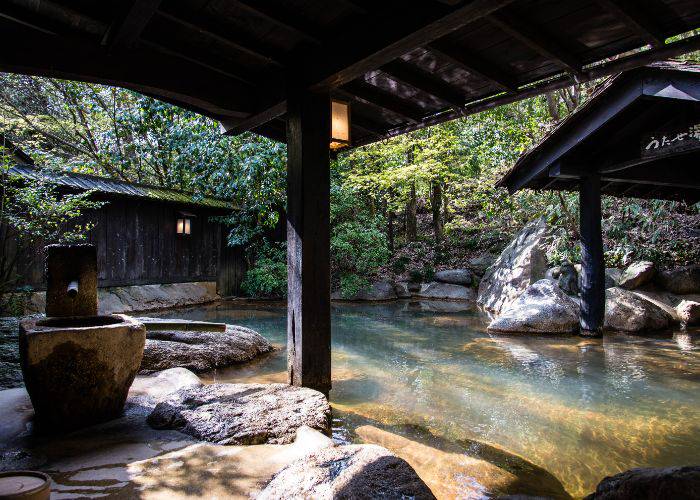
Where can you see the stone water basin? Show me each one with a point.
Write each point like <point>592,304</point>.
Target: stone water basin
<point>78,370</point>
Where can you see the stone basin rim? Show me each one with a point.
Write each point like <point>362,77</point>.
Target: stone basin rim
<point>78,323</point>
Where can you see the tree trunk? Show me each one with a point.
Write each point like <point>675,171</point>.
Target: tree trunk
<point>436,208</point>
<point>390,230</point>
<point>411,221</point>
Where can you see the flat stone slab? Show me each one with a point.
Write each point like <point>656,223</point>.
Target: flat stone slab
<point>436,290</point>
<point>344,472</point>
<point>201,351</point>
<point>243,413</point>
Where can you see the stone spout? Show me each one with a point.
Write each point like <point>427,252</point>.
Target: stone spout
<point>72,289</point>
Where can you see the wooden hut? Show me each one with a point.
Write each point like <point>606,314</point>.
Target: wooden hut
<point>638,136</point>
<point>144,234</point>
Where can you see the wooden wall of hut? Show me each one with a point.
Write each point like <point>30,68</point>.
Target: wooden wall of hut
<point>137,244</point>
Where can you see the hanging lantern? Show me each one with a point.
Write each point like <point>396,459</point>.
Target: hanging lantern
<point>340,124</point>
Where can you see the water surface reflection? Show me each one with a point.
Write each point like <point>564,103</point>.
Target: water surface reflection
<point>579,409</point>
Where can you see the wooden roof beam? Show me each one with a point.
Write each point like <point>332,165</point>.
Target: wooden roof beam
<point>423,81</point>
<point>378,97</point>
<point>129,25</point>
<point>635,20</point>
<point>473,65</point>
<point>286,21</point>
<point>536,41</point>
<point>55,18</point>
<point>367,124</point>
<point>224,39</point>
<point>348,59</point>
<point>171,79</point>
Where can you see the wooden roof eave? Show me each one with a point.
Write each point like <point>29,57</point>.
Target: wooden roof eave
<point>616,95</point>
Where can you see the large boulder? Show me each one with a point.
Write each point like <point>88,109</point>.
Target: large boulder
<point>612,277</point>
<point>688,312</point>
<point>454,277</point>
<point>682,280</point>
<point>628,312</point>
<point>521,263</point>
<point>201,351</point>
<point>679,483</point>
<point>481,263</point>
<point>542,308</point>
<point>381,290</point>
<point>435,290</point>
<point>348,472</point>
<point>402,291</point>
<point>636,275</point>
<point>243,414</point>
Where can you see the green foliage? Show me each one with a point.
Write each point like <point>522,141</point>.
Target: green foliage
<point>358,243</point>
<point>268,277</point>
<point>32,213</point>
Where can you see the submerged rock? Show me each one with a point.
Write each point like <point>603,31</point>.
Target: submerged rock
<point>201,351</point>
<point>681,281</point>
<point>628,312</point>
<point>345,472</point>
<point>454,277</point>
<point>243,413</point>
<point>679,483</point>
<point>521,263</point>
<point>435,290</point>
<point>689,312</point>
<point>542,308</point>
<point>636,275</point>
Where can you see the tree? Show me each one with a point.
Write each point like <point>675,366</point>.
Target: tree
<point>32,214</point>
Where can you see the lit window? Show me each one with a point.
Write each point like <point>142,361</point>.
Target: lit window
<point>184,225</point>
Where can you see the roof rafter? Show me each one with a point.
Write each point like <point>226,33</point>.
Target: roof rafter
<point>423,81</point>
<point>473,65</point>
<point>287,21</point>
<point>225,39</point>
<point>635,20</point>
<point>127,28</point>
<point>536,41</point>
<point>171,79</point>
<point>378,97</point>
<point>391,39</point>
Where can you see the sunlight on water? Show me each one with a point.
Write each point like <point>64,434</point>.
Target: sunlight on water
<point>495,413</point>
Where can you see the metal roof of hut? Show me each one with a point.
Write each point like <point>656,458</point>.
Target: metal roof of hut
<point>402,65</point>
<point>113,187</point>
<point>640,132</point>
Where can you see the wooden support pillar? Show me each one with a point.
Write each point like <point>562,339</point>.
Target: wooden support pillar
<point>593,264</point>
<point>308,240</point>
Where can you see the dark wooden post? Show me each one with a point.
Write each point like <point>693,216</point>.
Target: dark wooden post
<point>592,262</point>
<point>308,240</point>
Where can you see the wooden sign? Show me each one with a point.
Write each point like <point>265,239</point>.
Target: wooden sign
<point>671,141</point>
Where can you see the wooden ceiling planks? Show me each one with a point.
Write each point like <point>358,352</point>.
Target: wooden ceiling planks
<point>403,65</point>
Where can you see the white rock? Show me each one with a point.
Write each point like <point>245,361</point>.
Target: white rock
<point>628,312</point>
<point>435,290</point>
<point>543,308</point>
<point>636,275</point>
<point>521,263</point>
<point>689,312</point>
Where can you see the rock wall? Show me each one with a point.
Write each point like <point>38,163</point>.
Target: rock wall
<point>142,297</point>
